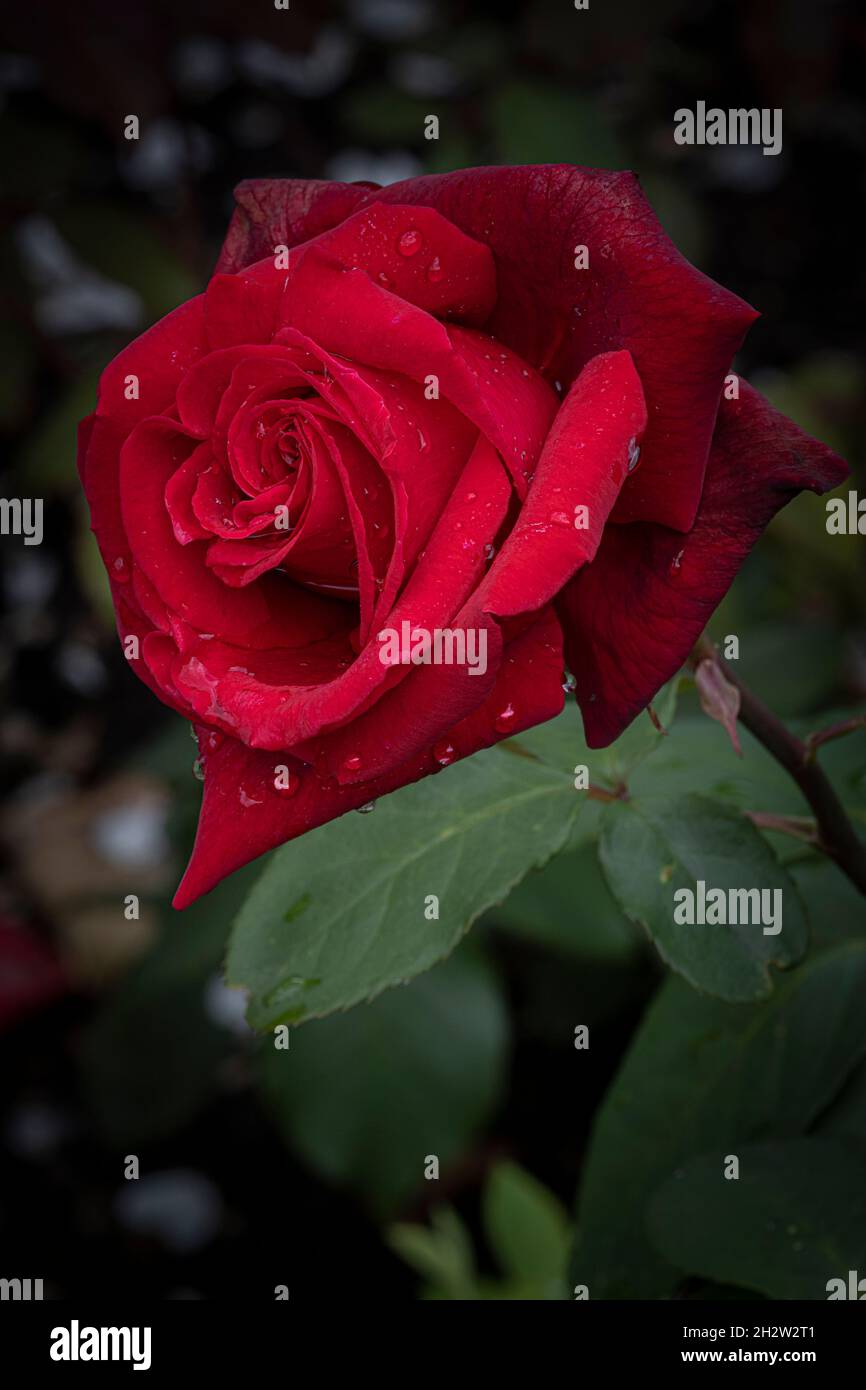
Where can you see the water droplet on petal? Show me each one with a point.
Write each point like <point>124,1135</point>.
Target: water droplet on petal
<point>353,763</point>
<point>198,769</point>
<point>212,740</point>
<point>435,271</point>
<point>560,518</point>
<point>444,753</point>
<point>409,243</point>
<point>471,496</point>
<point>489,551</point>
<point>120,570</point>
<point>677,561</point>
<point>504,721</point>
<point>633,455</point>
<point>366,809</point>
<point>383,279</point>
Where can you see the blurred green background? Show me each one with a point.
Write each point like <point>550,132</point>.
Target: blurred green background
<point>118,1035</point>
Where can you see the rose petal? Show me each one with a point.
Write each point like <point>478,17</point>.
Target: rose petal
<point>583,464</point>
<point>637,293</point>
<point>267,712</point>
<point>274,613</point>
<point>242,816</point>
<point>632,616</point>
<point>284,212</point>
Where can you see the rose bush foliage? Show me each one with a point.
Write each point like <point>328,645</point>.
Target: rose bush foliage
<point>399,421</point>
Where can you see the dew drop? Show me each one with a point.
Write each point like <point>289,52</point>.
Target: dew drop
<point>212,740</point>
<point>383,279</point>
<point>435,271</point>
<point>560,519</point>
<point>120,569</point>
<point>353,763</point>
<point>504,721</point>
<point>489,550</point>
<point>366,809</point>
<point>471,496</point>
<point>409,243</point>
<point>444,753</point>
<point>633,455</point>
<point>677,561</point>
<point>198,769</point>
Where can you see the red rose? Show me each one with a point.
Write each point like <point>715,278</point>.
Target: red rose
<point>429,418</point>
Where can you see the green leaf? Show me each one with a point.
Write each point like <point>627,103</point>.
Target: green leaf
<point>652,849</point>
<point>793,1220</point>
<point>697,757</point>
<point>845,1119</point>
<point>700,1075</point>
<point>568,906</point>
<point>837,910</point>
<point>527,1227</point>
<point>365,1097</point>
<point>560,742</point>
<point>357,889</point>
<point>616,765</point>
<point>441,1253</point>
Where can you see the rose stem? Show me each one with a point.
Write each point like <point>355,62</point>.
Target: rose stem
<point>837,836</point>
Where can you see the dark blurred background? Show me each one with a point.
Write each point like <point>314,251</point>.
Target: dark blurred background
<point>117,1036</point>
